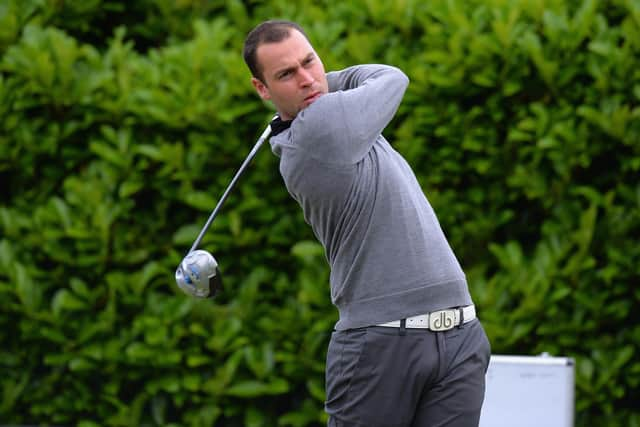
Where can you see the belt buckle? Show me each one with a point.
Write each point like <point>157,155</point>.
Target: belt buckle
<point>442,320</point>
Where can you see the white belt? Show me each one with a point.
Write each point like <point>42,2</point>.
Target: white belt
<point>441,320</point>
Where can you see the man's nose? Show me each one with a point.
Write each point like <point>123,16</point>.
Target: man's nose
<point>304,77</point>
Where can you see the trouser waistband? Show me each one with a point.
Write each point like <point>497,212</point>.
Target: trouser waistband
<point>441,320</point>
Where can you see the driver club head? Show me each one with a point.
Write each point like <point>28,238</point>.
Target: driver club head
<point>198,274</point>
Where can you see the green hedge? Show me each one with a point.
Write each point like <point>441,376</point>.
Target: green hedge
<point>123,122</point>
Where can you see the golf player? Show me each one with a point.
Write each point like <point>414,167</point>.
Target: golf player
<point>408,349</point>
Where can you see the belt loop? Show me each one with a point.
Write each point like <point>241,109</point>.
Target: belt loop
<point>461,317</point>
<point>403,327</point>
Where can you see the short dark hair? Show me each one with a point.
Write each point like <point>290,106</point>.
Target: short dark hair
<point>272,31</point>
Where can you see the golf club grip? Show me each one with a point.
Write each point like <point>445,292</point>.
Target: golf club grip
<point>252,153</point>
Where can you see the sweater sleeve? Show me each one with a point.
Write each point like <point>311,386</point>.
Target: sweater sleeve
<point>341,126</point>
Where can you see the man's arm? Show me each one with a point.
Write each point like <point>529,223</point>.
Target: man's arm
<point>371,95</point>
<point>355,76</point>
<point>361,102</point>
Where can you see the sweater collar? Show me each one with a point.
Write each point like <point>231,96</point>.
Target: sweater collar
<point>278,125</point>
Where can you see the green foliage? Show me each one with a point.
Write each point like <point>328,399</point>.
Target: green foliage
<point>123,122</point>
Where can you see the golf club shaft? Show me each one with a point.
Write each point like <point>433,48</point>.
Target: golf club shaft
<point>244,165</point>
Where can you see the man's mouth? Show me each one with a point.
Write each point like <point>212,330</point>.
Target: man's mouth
<point>309,99</point>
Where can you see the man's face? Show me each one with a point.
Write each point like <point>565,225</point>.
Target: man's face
<point>293,75</point>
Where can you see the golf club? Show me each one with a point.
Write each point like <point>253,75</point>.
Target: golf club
<point>198,274</point>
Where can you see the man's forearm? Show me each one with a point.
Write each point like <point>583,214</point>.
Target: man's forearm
<point>355,76</point>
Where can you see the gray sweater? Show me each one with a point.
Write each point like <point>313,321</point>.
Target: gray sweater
<point>388,255</point>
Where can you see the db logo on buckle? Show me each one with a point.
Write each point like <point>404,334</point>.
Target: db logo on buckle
<point>442,320</point>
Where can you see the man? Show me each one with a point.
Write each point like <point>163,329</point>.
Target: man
<point>407,349</point>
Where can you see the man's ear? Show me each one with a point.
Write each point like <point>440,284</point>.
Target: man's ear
<point>261,88</point>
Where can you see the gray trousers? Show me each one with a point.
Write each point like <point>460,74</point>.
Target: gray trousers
<point>393,377</point>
